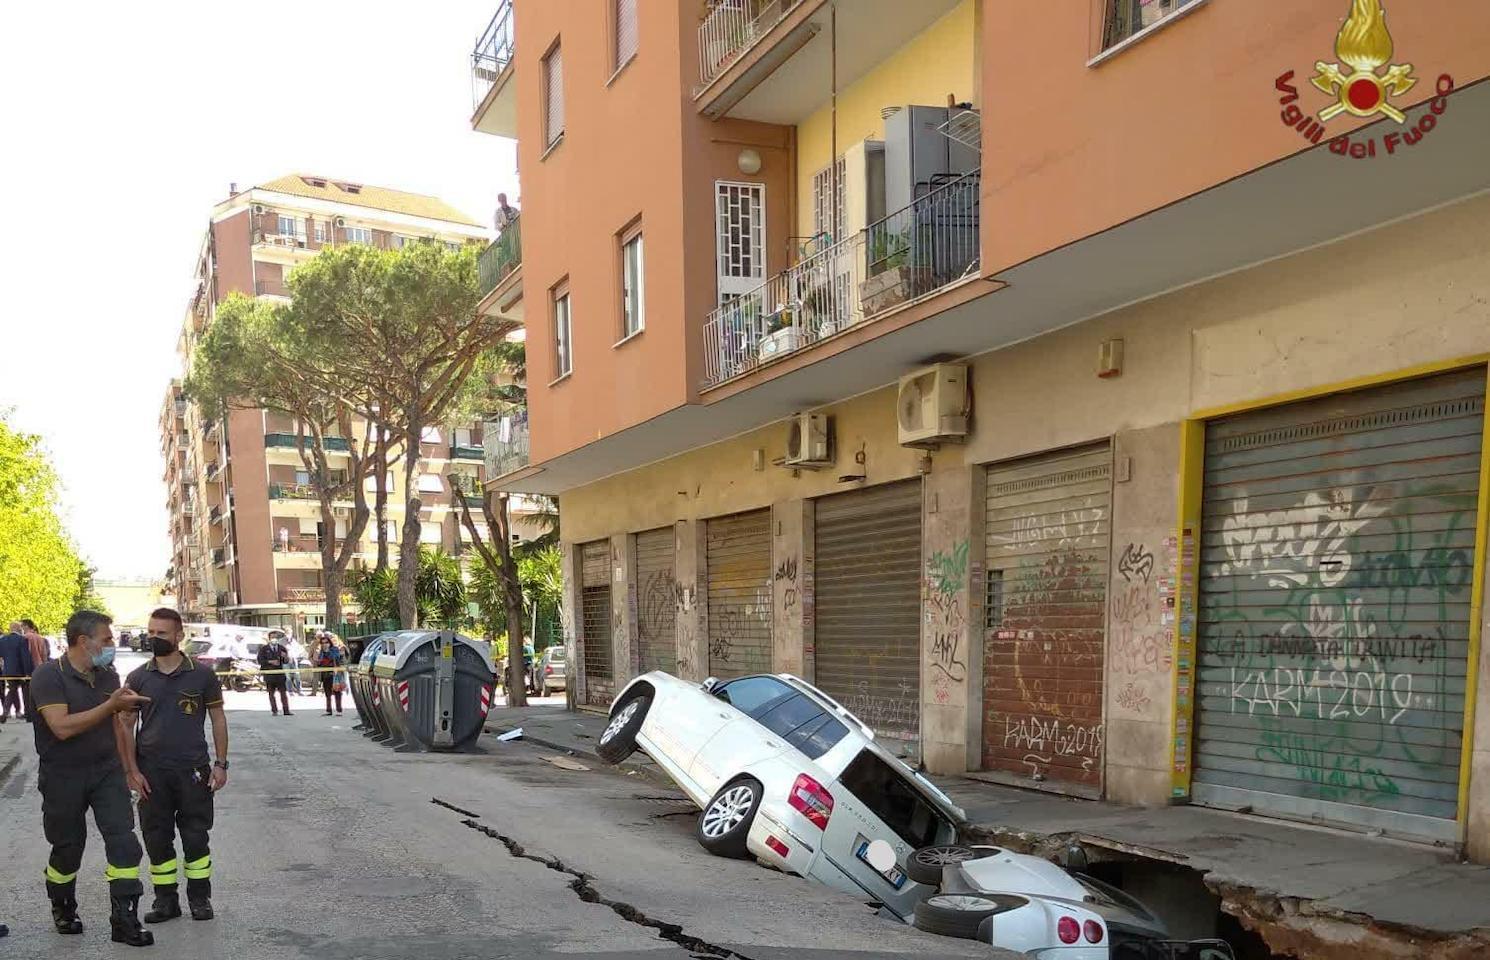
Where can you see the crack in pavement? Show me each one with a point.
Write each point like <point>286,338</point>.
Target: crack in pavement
<point>583,887</point>
<point>450,806</point>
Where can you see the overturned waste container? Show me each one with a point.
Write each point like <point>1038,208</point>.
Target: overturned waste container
<point>433,689</point>
<point>359,678</point>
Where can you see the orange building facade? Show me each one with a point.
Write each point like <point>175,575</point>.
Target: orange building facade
<point>1090,401</point>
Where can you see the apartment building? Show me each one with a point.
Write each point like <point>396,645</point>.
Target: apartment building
<point>245,527</point>
<point>1091,400</point>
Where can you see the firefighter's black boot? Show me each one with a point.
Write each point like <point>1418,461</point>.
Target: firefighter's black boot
<point>199,899</point>
<point>167,905</point>
<point>125,922</point>
<point>64,908</point>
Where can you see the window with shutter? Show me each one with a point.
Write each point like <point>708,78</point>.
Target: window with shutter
<point>553,96</point>
<point>626,32</point>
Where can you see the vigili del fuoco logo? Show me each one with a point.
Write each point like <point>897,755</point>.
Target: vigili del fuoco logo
<point>1362,83</point>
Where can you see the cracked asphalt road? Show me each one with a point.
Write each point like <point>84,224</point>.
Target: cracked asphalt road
<point>329,847</point>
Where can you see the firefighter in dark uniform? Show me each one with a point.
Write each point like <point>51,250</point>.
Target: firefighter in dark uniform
<point>166,763</point>
<point>79,743</point>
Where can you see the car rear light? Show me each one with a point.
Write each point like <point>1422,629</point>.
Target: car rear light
<point>548,671</point>
<point>1068,930</point>
<point>1093,931</point>
<point>810,799</point>
<point>777,846</point>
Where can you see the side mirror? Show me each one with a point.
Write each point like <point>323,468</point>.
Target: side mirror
<point>710,684</point>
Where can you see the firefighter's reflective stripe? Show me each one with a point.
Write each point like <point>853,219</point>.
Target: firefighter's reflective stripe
<point>199,869</point>
<point>121,873</point>
<point>163,874</point>
<point>56,876</point>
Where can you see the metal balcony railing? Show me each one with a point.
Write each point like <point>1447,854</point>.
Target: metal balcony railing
<point>302,594</point>
<point>502,256</point>
<point>506,442</point>
<point>911,253</point>
<point>292,491</point>
<point>492,53</point>
<point>288,440</point>
<point>730,28</point>
<point>271,288</point>
<point>464,452</point>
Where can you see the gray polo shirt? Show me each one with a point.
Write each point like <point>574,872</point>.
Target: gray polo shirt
<point>58,682</point>
<point>171,724</point>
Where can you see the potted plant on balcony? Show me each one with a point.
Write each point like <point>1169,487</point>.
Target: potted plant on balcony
<point>780,332</point>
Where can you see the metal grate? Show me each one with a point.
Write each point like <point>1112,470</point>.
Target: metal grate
<point>1340,426</point>
<point>595,607</point>
<point>656,613</point>
<point>741,608</point>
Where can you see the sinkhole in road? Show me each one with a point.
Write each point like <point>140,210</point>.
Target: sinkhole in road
<point>583,887</point>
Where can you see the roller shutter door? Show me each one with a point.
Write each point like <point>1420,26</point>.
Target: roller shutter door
<point>740,607</point>
<point>595,601</point>
<point>867,583</point>
<point>1048,525</point>
<point>1336,566</point>
<point>656,607</point>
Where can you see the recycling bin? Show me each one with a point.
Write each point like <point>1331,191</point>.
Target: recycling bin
<point>434,687</point>
<point>359,680</point>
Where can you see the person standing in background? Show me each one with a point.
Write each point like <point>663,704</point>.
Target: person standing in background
<point>41,650</point>
<point>297,657</point>
<point>15,662</point>
<point>330,659</point>
<point>274,658</point>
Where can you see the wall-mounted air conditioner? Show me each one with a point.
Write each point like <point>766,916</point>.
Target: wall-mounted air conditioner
<point>809,441</point>
<point>932,405</point>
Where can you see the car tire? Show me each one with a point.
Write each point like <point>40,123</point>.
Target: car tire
<point>958,915</point>
<point>619,739</point>
<point>925,865</point>
<point>724,824</point>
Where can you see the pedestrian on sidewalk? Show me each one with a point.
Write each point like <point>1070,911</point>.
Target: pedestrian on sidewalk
<point>167,766</point>
<point>80,741</point>
<point>15,662</point>
<point>274,657</point>
<point>41,650</point>
<point>297,658</point>
<point>330,658</point>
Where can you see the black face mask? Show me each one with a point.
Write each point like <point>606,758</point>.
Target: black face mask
<point>162,647</point>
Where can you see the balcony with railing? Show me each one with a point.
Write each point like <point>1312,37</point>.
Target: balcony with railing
<point>272,288</point>
<point>506,442</point>
<point>493,94</point>
<point>291,442</point>
<point>469,489</point>
<point>292,491</point>
<point>912,253</point>
<point>501,257</point>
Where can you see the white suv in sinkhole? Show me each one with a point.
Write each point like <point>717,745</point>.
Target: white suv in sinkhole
<point>785,774</point>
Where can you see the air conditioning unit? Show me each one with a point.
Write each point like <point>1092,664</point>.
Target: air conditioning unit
<point>809,441</point>
<point>342,513</point>
<point>932,405</point>
<point>258,208</point>
<point>341,221</point>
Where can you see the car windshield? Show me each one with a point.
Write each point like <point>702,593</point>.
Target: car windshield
<point>198,647</point>
<point>555,654</point>
<point>749,694</point>
<point>889,796</point>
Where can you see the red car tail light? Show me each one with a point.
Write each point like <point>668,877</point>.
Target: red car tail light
<point>1092,931</point>
<point>548,671</point>
<point>780,848</point>
<point>1068,930</point>
<point>810,799</point>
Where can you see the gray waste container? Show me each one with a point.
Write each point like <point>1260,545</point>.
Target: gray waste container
<point>359,678</point>
<point>435,688</point>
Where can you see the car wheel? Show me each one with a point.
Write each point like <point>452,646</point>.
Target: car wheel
<point>726,820</point>
<point>925,865</point>
<point>619,739</point>
<point>955,914</point>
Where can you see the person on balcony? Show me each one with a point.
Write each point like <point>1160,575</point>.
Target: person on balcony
<point>506,214</point>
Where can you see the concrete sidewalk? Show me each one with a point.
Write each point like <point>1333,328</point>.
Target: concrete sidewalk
<point>1297,885</point>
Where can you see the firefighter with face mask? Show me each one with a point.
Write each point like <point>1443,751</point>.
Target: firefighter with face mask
<point>80,740</point>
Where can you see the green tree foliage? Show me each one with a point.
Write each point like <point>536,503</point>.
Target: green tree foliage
<point>87,597</point>
<point>376,592</point>
<point>441,589</point>
<point>40,571</point>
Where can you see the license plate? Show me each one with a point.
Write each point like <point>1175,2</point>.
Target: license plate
<point>893,876</point>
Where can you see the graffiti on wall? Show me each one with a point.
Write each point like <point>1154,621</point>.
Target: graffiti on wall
<point>946,618</point>
<point>786,581</point>
<point>1141,625</point>
<point>1335,642</point>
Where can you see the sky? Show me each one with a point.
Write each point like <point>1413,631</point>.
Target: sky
<point>124,123</point>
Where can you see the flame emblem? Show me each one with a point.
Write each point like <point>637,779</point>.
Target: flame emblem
<point>1364,45</point>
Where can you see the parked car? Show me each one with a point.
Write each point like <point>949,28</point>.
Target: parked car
<point>229,655</point>
<point>1032,907</point>
<point>785,774</point>
<point>551,670</point>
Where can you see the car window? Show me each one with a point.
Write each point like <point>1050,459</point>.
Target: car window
<point>884,790</point>
<point>556,654</point>
<point>198,647</point>
<point>750,694</point>
<point>818,737</point>
<point>784,716</point>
